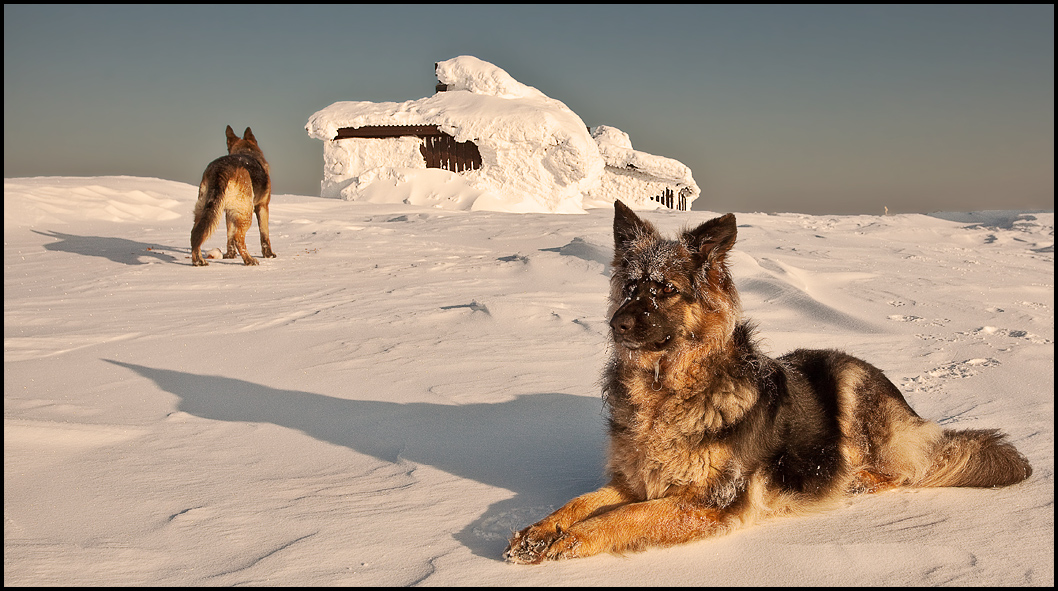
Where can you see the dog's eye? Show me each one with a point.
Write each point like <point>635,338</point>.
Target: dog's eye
<point>668,289</point>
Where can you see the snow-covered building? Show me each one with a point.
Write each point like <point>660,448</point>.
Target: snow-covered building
<point>485,141</point>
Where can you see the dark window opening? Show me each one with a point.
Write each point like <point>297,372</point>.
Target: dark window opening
<point>439,149</point>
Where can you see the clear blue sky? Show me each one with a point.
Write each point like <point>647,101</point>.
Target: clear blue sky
<point>814,109</point>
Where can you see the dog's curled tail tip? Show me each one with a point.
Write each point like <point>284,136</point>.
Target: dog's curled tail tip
<point>981,458</point>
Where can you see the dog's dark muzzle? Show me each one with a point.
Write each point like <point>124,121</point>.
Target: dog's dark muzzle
<point>639,325</point>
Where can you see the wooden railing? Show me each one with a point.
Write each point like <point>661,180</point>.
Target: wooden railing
<point>669,199</point>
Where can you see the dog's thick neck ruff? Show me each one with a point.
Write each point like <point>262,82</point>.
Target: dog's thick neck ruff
<point>671,301</point>
<point>677,342</point>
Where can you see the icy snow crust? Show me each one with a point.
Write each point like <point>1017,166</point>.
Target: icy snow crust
<point>537,154</point>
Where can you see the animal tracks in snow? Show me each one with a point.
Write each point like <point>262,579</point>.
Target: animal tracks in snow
<point>935,378</point>
<point>986,334</point>
<point>1000,340</point>
<point>501,526</point>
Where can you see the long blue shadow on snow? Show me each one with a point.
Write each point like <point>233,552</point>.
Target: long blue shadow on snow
<point>546,448</point>
<point>119,250</point>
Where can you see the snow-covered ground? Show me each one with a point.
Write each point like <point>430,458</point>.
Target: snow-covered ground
<point>403,386</point>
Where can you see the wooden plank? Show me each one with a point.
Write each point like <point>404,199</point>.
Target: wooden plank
<point>384,131</point>
<point>459,156</point>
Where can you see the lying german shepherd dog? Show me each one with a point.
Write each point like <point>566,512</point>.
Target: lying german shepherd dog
<point>708,434</point>
<point>238,185</point>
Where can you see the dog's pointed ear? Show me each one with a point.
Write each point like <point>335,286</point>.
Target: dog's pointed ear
<point>712,239</point>
<point>627,226</point>
<point>232,138</point>
<point>248,135</point>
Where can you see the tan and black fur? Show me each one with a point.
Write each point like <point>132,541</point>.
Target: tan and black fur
<point>238,185</point>
<point>708,434</point>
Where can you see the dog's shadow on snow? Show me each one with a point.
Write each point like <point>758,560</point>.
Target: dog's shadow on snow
<point>546,448</point>
<point>119,250</point>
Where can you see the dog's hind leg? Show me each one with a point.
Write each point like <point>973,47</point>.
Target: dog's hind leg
<point>262,224</point>
<point>232,220</point>
<point>238,205</point>
<point>238,225</point>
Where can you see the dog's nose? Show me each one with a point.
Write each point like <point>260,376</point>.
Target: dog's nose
<point>622,323</point>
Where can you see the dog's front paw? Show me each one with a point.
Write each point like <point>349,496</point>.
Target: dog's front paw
<point>530,545</point>
<point>567,545</point>
<point>526,548</point>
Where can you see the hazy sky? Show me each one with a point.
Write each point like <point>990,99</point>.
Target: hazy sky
<point>814,109</point>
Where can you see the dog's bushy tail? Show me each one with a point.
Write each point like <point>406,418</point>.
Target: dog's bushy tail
<point>976,458</point>
<point>208,210</point>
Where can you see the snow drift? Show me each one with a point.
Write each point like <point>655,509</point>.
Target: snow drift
<point>537,154</point>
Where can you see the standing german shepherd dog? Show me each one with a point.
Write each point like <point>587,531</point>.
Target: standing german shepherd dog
<point>708,434</point>
<point>238,185</point>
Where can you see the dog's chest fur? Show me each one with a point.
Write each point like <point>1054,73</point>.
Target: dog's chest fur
<point>666,433</point>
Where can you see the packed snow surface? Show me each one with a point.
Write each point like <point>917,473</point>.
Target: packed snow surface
<point>404,386</point>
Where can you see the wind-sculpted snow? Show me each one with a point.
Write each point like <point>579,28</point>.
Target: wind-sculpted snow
<point>404,386</point>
